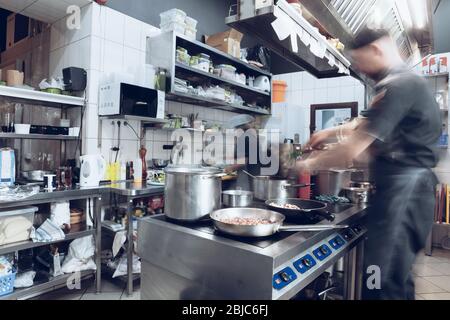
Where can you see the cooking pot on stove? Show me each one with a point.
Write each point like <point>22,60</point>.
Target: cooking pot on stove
<point>192,193</point>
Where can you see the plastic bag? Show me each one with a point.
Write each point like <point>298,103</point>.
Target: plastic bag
<point>121,269</point>
<point>260,54</point>
<point>25,280</point>
<point>79,257</point>
<point>60,213</point>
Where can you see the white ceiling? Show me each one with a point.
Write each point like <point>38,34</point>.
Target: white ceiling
<point>43,10</point>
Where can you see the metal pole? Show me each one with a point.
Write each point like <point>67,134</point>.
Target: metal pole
<point>130,248</point>
<point>98,243</point>
<point>359,272</point>
<point>349,275</point>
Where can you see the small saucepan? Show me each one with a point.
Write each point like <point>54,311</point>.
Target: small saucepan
<point>296,208</point>
<point>233,221</point>
<point>237,198</point>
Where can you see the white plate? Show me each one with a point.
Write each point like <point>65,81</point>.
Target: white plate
<point>156,183</point>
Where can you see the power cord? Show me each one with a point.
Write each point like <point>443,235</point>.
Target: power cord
<point>131,127</point>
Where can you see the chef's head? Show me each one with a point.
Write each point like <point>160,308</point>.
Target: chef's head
<point>374,51</point>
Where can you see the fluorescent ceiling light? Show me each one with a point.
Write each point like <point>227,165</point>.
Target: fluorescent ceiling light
<point>419,13</point>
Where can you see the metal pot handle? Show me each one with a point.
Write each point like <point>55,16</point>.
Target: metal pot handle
<point>218,175</point>
<point>300,185</point>
<point>312,227</point>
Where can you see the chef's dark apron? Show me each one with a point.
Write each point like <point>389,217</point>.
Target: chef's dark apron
<point>405,120</point>
<point>399,222</point>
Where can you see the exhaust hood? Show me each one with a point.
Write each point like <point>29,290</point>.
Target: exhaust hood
<point>283,30</point>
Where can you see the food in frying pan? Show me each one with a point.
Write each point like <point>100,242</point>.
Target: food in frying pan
<point>246,221</point>
<point>285,206</point>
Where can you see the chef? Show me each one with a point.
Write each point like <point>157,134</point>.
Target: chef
<point>399,130</point>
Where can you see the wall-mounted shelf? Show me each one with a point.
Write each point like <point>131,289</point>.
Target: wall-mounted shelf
<point>144,120</point>
<point>217,104</point>
<point>437,75</point>
<point>162,53</point>
<point>41,98</point>
<point>36,137</point>
<point>219,80</point>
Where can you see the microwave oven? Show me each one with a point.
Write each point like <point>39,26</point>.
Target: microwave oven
<point>123,99</point>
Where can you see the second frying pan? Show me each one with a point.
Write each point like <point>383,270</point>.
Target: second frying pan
<point>308,208</point>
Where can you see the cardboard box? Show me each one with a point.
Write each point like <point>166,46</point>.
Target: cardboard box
<point>228,42</point>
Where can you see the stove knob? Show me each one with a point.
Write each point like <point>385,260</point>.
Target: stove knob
<point>323,250</point>
<point>339,241</point>
<point>285,277</point>
<point>306,262</point>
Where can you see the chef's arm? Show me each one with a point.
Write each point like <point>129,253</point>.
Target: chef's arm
<point>318,139</point>
<point>340,156</point>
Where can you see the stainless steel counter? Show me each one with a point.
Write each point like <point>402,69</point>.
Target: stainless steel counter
<point>127,189</point>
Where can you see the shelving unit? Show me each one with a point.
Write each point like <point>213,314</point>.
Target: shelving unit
<point>39,288</point>
<point>18,246</point>
<point>41,98</point>
<point>36,137</point>
<point>167,42</point>
<point>440,82</point>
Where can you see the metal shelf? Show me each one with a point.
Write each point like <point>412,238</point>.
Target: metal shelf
<point>183,40</point>
<point>41,98</point>
<point>220,79</point>
<point>134,118</point>
<point>436,75</point>
<point>40,288</point>
<point>19,246</point>
<point>36,136</point>
<point>206,102</point>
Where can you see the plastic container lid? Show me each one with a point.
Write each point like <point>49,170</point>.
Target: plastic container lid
<point>18,211</point>
<point>191,22</point>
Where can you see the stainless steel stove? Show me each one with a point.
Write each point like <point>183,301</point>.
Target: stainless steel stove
<point>195,261</point>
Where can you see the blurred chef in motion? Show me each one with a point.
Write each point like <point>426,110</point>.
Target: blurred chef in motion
<point>399,131</point>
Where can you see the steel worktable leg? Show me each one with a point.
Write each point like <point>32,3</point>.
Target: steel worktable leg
<point>359,271</point>
<point>98,243</point>
<point>130,248</point>
<point>349,275</point>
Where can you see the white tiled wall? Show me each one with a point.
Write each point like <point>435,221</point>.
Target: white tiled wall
<point>303,91</point>
<point>108,42</point>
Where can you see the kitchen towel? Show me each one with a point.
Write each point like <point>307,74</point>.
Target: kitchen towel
<point>47,232</point>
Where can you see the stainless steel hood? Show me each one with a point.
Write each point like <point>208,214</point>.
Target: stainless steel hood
<point>341,19</point>
<point>286,32</point>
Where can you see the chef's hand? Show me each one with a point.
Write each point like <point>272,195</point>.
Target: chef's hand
<point>317,139</point>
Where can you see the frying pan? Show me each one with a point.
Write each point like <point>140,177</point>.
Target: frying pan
<point>308,208</point>
<point>261,230</point>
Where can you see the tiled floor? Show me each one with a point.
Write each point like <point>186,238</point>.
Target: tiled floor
<point>432,277</point>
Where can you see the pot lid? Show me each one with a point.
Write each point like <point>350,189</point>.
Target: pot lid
<point>192,170</point>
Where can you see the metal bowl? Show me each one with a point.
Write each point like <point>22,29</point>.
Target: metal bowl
<point>35,175</point>
<point>159,163</point>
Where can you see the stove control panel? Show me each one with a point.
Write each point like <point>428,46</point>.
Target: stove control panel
<point>305,263</point>
<point>283,278</point>
<point>316,259</point>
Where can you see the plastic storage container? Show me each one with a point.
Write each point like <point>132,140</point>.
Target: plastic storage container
<point>226,71</point>
<point>183,56</point>
<point>177,27</point>
<point>173,15</point>
<point>200,63</point>
<point>279,91</point>
<point>7,284</point>
<point>191,23</point>
<point>15,225</point>
<point>191,33</point>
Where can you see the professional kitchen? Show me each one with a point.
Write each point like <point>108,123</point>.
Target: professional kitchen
<point>211,150</point>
